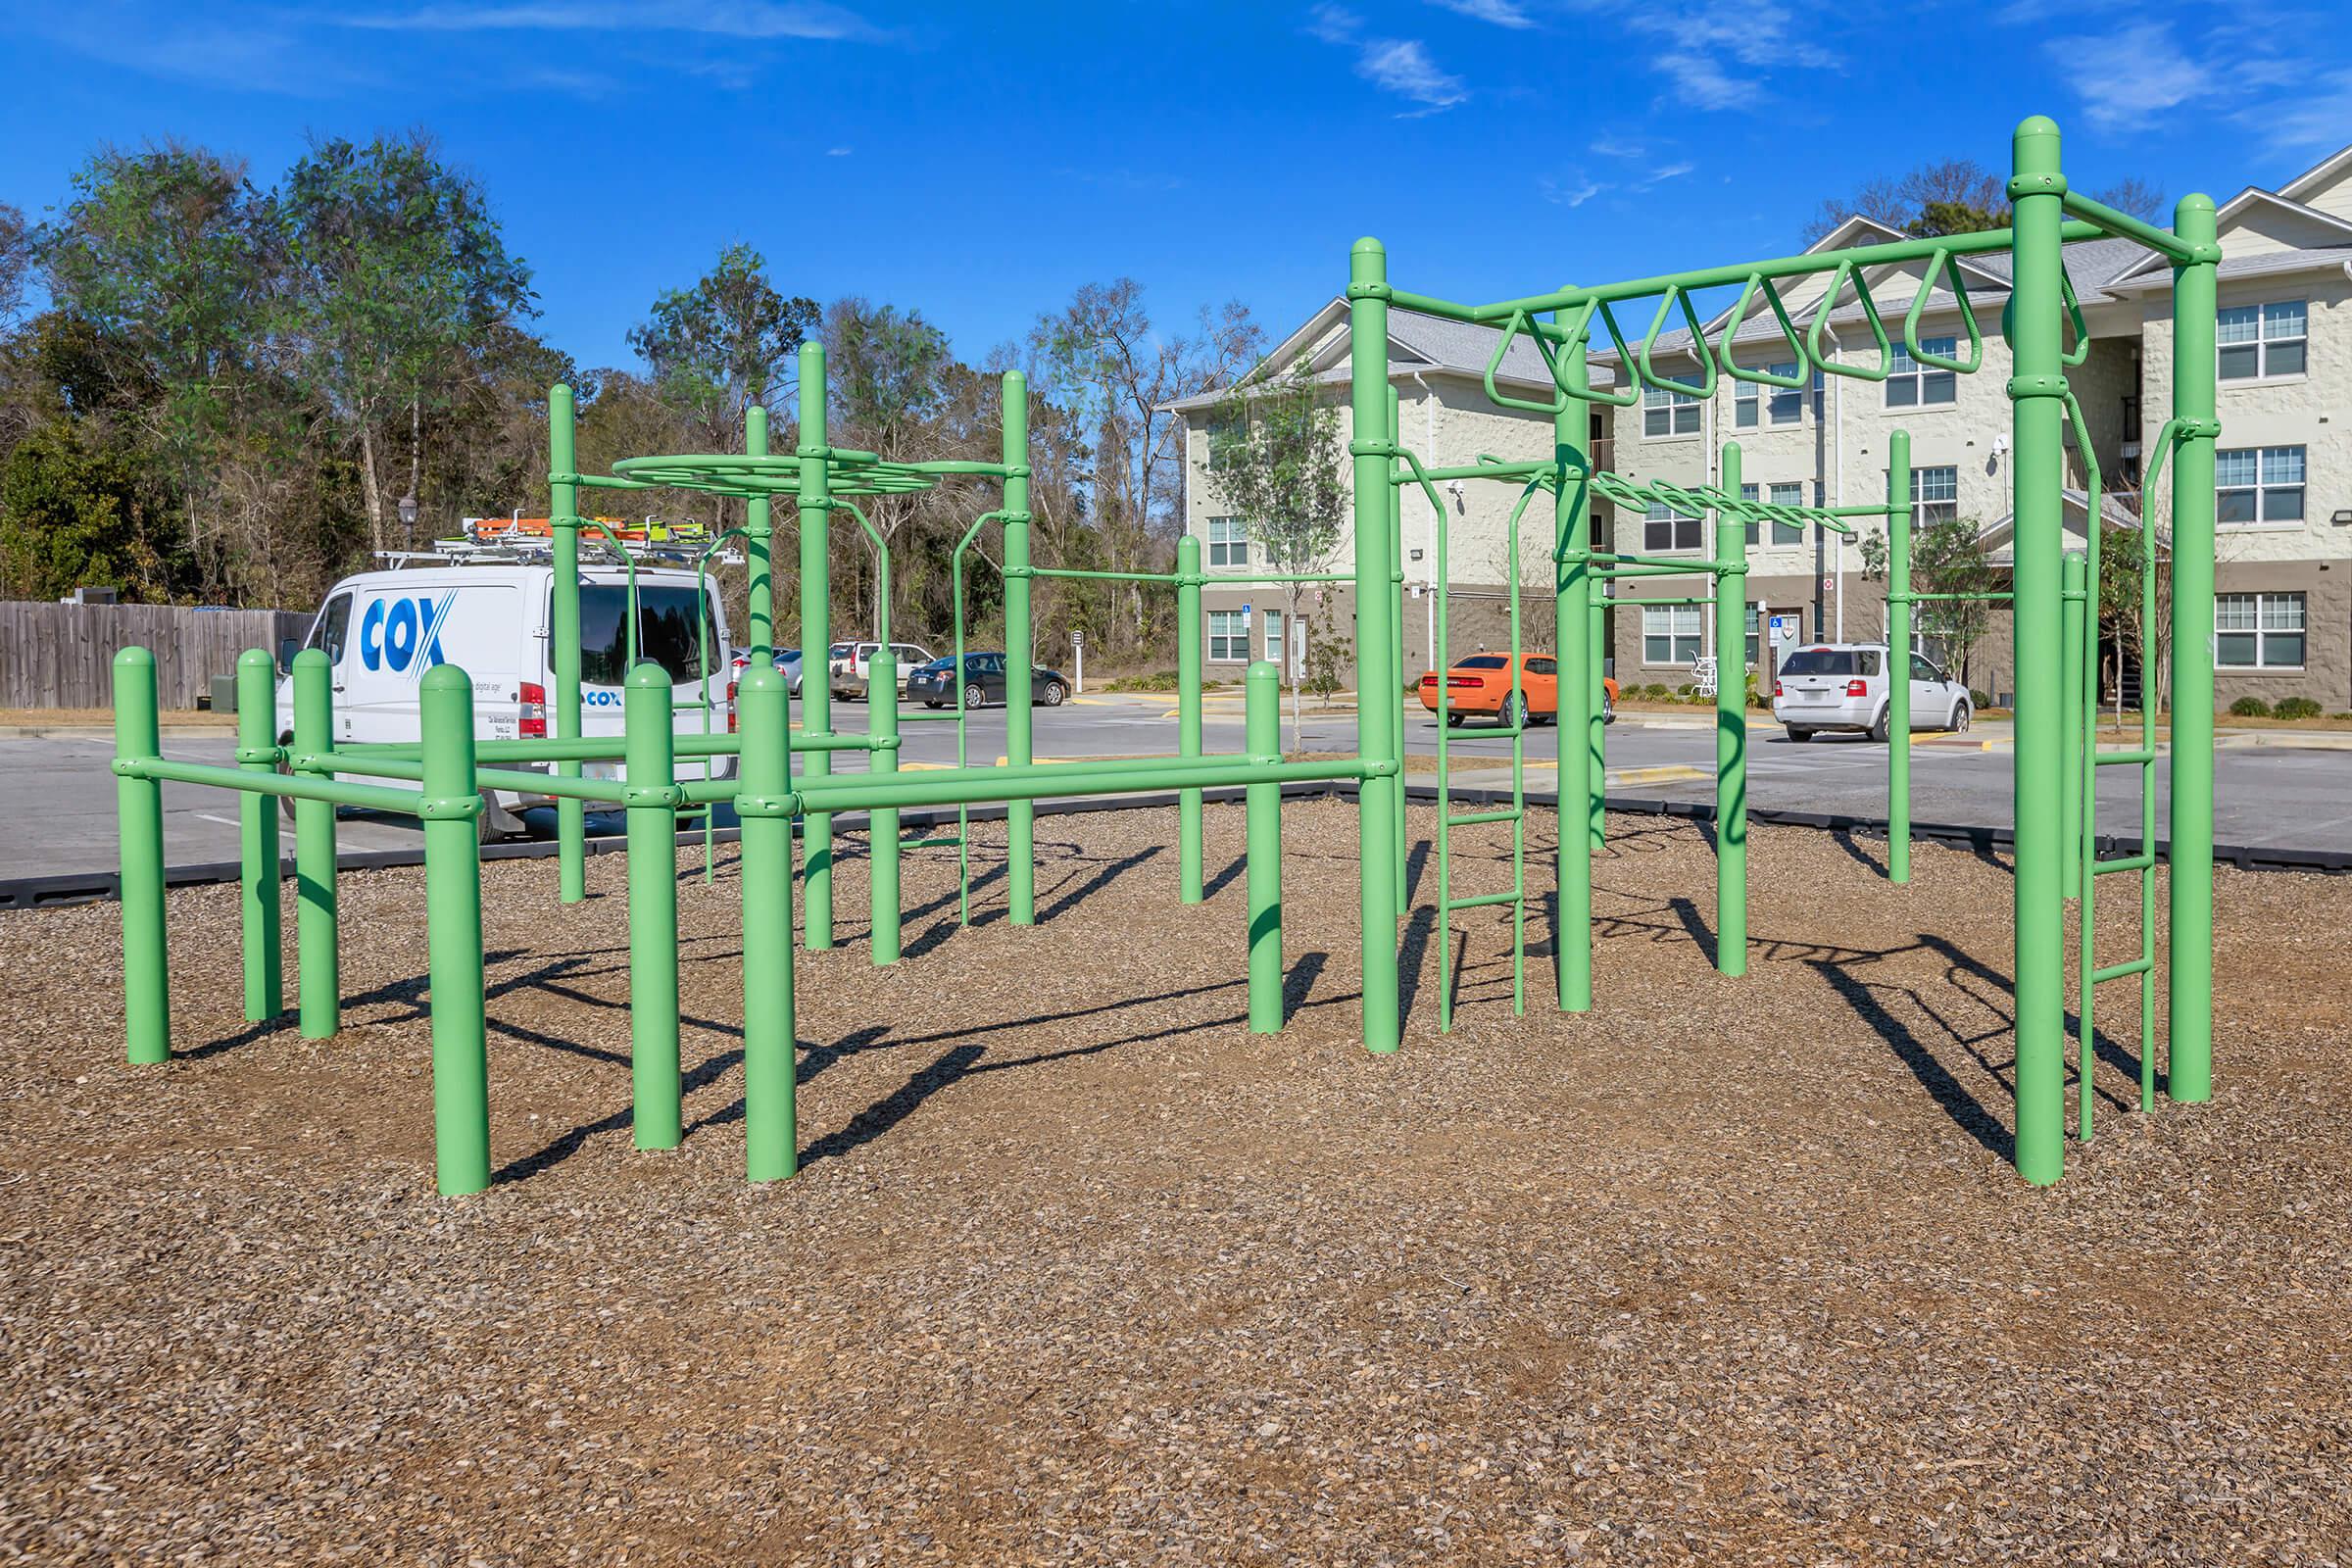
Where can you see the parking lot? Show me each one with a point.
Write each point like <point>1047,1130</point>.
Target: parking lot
<point>2287,793</point>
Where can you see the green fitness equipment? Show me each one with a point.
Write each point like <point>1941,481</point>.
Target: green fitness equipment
<point>451,769</point>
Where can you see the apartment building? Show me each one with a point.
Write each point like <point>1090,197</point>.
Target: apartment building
<point>2283,613</point>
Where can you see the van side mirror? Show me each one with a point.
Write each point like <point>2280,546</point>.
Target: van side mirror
<point>287,650</point>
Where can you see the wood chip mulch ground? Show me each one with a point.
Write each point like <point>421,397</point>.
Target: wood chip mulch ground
<point>1078,1271</point>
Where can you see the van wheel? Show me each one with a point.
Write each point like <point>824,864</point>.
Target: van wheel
<point>1799,735</point>
<point>1878,729</point>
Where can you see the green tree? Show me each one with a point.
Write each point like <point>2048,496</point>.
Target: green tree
<point>74,514</point>
<point>399,273</point>
<point>1275,461</point>
<point>886,370</point>
<point>1947,557</point>
<point>726,343</point>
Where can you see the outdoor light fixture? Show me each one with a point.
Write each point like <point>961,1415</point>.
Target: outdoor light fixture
<point>2343,520</point>
<point>407,510</point>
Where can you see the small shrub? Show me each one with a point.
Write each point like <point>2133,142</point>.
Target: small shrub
<point>2297,708</point>
<point>2250,707</point>
<point>1158,680</point>
<point>1978,699</point>
<point>1684,689</point>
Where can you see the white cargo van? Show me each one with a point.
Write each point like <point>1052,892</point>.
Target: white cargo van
<point>382,630</point>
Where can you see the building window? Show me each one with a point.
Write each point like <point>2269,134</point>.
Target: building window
<point>1669,634</point>
<point>2262,340</point>
<point>1911,384</point>
<point>2258,631</point>
<point>1223,436</point>
<point>1789,494</point>
<point>1744,406</point>
<point>1935,496</point>
<point>1666,530</point>
<point>1227,637</point>
<point>2258,484</point>
<point>1755,633</point>
<point>1787,401</point>
<point>1665,413</point>
<point>1748,492</point>
<point>1228,542</point>
<point>1273,618</point>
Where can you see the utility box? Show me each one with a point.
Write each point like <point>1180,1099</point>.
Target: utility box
<point>225,694</point>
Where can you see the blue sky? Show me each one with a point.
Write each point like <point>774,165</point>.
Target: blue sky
<point>979,162</point>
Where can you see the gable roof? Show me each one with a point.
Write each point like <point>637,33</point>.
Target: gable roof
<point>2323,172</point>
<point>2153,269</point>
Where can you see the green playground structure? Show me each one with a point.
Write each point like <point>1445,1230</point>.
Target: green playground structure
<point>439,780</point>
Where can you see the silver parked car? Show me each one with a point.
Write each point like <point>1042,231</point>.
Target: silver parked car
<point>1825,686</point>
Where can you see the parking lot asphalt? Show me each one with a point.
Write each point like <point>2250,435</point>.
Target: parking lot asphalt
<point>2273,796</point>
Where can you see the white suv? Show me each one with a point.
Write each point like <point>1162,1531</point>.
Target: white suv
<point>1844,686</point>
<point>852,665</point>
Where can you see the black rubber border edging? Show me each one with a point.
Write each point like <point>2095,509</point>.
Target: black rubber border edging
<point>86,886</point>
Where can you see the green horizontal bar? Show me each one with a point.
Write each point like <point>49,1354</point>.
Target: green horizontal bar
<point>2123,226</point>
<point>980,785</point>
<point>2116,971</point>
<point>1920,599</point>
<point>1656,562</point>
<point>1522,470</point>
<point>1633,572</point>
<point>602,481</point>
<point>1647,599</point>
<point>1100,576</point>
<point>333,791</point>
<point>1861,256</point>
<point>927,716</point>
<point>2136,862</point>
<point>1864,510</point>
<point>2124,758</point>
<point>1251,580</point>
<point>1483,900</point>
<point>929,843</point>
<point>1472,818</point>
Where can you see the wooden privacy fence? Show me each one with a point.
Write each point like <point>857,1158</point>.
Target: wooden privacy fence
<point>59,655</point>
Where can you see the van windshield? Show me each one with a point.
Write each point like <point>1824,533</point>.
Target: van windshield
<point>666,632</point>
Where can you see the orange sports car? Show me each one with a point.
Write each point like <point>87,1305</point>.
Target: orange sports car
<point>1481,685</point>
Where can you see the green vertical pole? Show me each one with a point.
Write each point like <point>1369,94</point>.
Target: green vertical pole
<point>2037,391</point>
<point>882,822</point>
<point>1020,651</point>
<point>1393,651</point>
<point>770,1137</point>
<point>1730,728</point>
<point>318,986</point>
<point>816,623</point>
<point>1572,544</point>
<point>1378,710</point>
<point>564,638</point>
<point>1898,646</point>
<point>1262,716</point>
<point>139,824</point>
<point>1187,713</point>
<point>453,916</point>
<point>651,798</point>
<point>2071,615</point>
<point>2188,958</point>
<point>1597,808</point>
<point>262,896</point>
<point>759,547</point>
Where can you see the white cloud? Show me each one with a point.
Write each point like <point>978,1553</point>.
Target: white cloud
<point>1570,195</point>
<point>1501,12</point>
<point>746,18</point>
<point>2312,116</point>
<point>1401,65</point>
<point>1607,145</point>
<point>2138,75</point>
<point>1665,173</point>
<point>837,151</point>
<point>1706,36</point>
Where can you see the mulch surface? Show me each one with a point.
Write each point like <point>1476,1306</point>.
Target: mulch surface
<point>1079,1272</point>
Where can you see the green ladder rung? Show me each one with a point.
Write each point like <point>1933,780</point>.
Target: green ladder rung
<point>2136,862</point>
<point>929,843</point>
<point>1508,814</point>
<point>2117,972</point>
<point>1447,906</point>
<point>2123,758</point>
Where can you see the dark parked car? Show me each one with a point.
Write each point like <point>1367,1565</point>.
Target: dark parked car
<point>935,684</point>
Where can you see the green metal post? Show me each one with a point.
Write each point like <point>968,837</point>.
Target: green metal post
<point>1899,648</point>
<point>1020,651</point>
<point>2189,958</point>
<point>1596,722</point>
<point>1393,651</point>
<point>1730,728</point>
<point>563,639</point>
<point>318,986</point>
<point>882,730</point>
<point>453,916</point>
<point>1378,709</point>
<point>2071,612</point>
<point>263,899</point>
<point>652,828</point>
<point>2037,390</point>
<point>759,547</point>
<point>816,620</point>
<point>1187,713</point>
<point>770,1137</point>
<point>139,824</point>
<point>1262,719</point>
<point>1572,544</point>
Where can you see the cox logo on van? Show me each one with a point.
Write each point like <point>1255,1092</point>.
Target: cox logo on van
<point>404,634</point>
